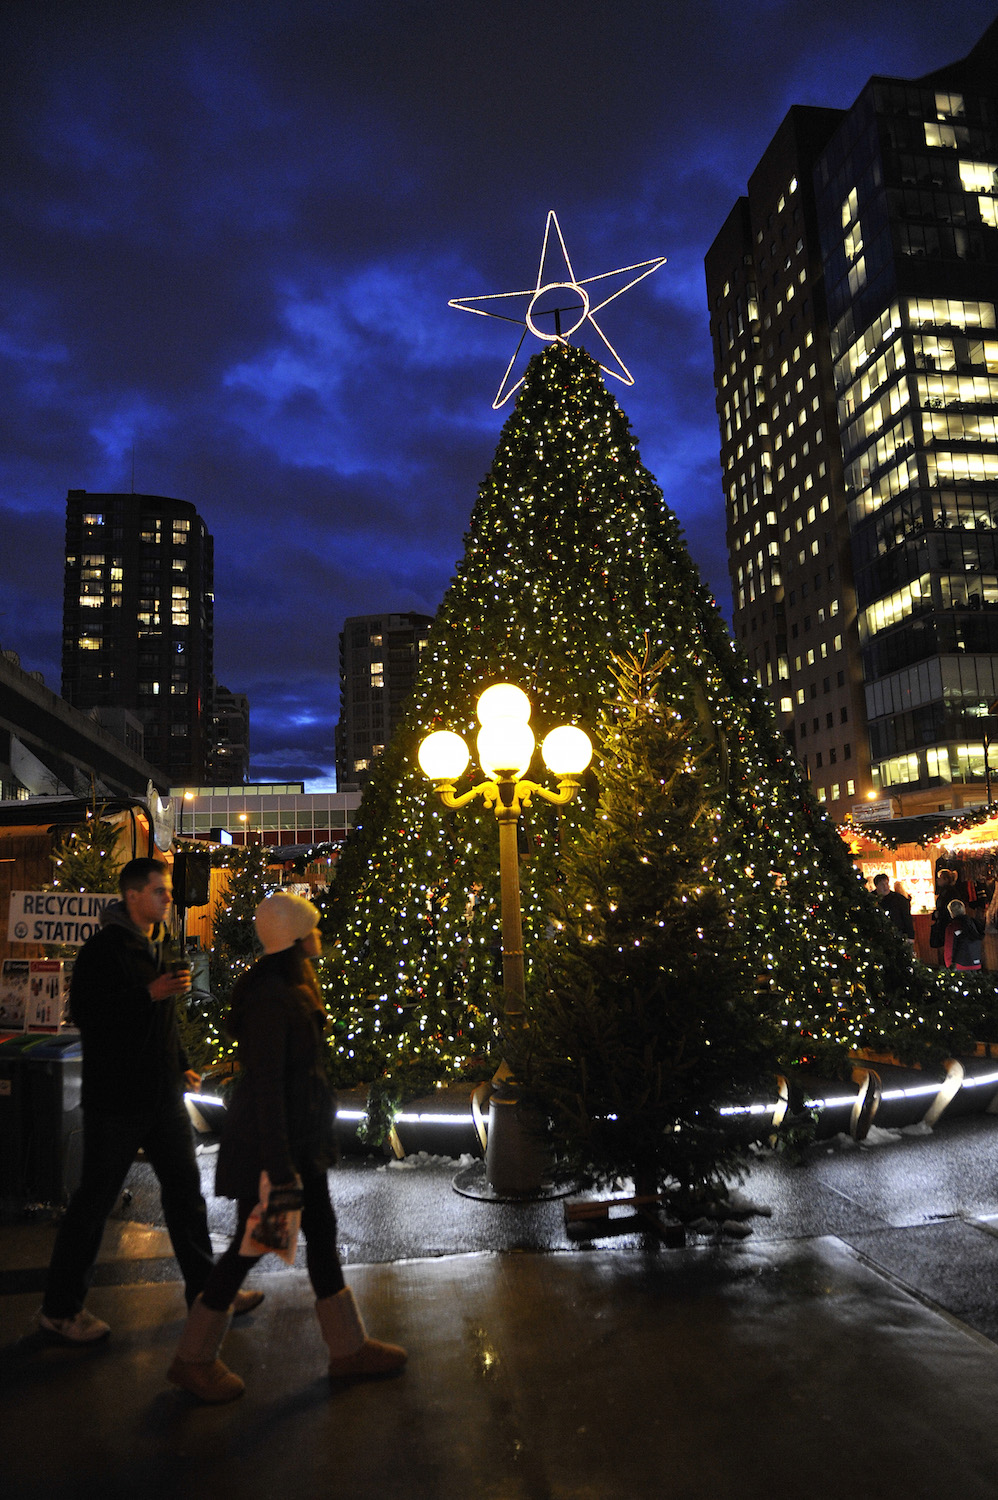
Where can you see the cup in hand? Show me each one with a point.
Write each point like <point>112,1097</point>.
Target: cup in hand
<point>182,969</point>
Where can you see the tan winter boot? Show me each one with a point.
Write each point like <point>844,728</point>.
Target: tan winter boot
<point>196,1366</point>
<point>351,1352</point>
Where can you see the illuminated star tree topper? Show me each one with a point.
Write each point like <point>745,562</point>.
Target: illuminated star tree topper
<point>554,297</point>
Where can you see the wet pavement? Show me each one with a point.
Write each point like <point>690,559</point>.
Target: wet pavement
<point>849,1344</point>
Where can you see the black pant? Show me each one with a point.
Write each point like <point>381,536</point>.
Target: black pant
<point>318,1224</point>
<point>110,1143</point>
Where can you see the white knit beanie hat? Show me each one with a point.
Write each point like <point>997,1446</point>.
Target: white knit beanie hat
<point>283,918</point>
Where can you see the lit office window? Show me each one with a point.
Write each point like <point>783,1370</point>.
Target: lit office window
<point>953,136</point>
<point>949,107</point>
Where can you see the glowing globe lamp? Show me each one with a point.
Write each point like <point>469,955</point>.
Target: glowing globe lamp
<point>567,751</point>
<point>503,701</point>
<point>505,747</point>
<point>443,755</point>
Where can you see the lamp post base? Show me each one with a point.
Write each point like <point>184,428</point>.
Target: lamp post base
<point>471,1182</point>
<point>518,1163</point>
<point>516,1155</point>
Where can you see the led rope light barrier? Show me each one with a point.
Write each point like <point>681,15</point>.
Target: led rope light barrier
<point>829,1102</point>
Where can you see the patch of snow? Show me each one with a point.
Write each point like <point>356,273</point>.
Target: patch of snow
<point>843,1141</point>
<point>733,1228</point>
<point>420,1159</point>
<point>877,1137</point>
<point>740,1203</point>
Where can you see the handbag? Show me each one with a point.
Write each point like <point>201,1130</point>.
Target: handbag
<point>272,1231</point>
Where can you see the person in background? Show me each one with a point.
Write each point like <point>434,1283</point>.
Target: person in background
<point>122,995</point>
<point>991,911</point>
<point>964,938</point>
<point>960,888</point>
<point>280,1122</point>
<point>945,893</point>
<point>896,905</point>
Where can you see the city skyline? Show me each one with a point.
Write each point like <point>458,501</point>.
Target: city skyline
<point>232,247</point>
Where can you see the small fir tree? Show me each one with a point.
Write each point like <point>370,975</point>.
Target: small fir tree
<point>86,857</point>
<point>643,1020</point>
<point>200,1016</point>
<point>234,946</point>
<point>233,949</point>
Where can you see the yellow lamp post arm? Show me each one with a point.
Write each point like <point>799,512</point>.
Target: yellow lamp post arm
<point>507,796</point>
<point>487,790</point>
<point>567,788</point>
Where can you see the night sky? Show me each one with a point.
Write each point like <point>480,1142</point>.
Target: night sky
<point>230,233</point>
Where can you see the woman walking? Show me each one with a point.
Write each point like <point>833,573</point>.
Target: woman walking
<point>281,1123</point>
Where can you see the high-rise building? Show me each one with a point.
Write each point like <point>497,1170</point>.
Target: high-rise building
<point>229,747</point>
<point>138,621</point>
<point>853,296</point>
<point>379,659</point>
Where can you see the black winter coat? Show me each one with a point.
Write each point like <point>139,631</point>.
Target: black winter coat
<point>281,1119</point>
<point>133,1061</point>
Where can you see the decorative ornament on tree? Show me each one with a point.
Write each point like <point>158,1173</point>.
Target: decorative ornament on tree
<point>563,297</point>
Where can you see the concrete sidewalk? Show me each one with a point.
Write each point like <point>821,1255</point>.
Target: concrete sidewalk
<point>847,1346</point>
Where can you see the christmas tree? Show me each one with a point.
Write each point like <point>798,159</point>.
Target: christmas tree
<point>86,857</point>
<point>644,1021</point>
<point>234,946</point>
<point>571,555</point>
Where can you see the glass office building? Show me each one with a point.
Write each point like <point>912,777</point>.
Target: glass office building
<point>268,813</point>
<point>853,297</point>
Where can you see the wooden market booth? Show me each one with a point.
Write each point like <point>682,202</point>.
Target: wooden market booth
<point>911,850</point>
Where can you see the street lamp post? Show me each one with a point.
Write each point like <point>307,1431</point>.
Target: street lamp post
<point>986,712</point>
<point>505,747</point>
<point>992,711</point>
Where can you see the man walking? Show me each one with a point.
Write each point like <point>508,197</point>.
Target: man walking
<point>122,997</point>
<point>896,905</point>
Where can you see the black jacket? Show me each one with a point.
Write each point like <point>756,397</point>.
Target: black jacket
<point>898,909</point>
<point>132,1057</point>
<point>963,943</point>
<point>281,1116</point>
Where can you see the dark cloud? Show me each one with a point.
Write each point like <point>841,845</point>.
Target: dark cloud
<point>232,230</point>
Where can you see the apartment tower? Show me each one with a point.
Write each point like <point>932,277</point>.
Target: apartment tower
<point>379,659</point>
<point>138,621</point>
